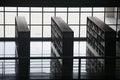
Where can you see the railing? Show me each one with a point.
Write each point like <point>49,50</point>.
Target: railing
<point>106,75</point>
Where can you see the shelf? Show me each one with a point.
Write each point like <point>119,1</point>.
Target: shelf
<point>101,41</point>
<point>62,46</point>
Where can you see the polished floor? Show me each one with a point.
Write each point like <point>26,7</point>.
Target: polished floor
<point>39,68</point>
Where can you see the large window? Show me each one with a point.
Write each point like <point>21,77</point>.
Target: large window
<point>39,19</point>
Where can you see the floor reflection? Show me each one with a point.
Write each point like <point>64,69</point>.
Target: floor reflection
<point>38,49</point>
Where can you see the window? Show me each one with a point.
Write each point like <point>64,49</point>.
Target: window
<point>1,31</point>
<point>36,31</point>
<point>82,31</point>
<point>46,31</point>
<point>73,18</point>
<point>76,30</point>
<point>39,19</point>
<point>36,18</point>
<point>9,31</point>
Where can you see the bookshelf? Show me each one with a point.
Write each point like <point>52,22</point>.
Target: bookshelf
<point>62,46</point>
<point>101,42</point>
<point>22,35</point>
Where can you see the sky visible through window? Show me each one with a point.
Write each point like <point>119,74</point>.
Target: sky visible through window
<point>39,19</point>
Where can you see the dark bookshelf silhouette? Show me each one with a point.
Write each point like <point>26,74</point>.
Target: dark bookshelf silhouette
<point>22,35</point>
<point>101,42</point>
<point>62,46</point>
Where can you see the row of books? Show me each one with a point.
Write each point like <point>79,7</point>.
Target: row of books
<point>101,40</point>
<point>96,29</point>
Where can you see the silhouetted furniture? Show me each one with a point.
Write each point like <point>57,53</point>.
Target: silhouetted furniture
<point>118,60</point>
<point>22,35</point>
<point>118,35</point>
<point>101,42</point>
<point>62,46</point>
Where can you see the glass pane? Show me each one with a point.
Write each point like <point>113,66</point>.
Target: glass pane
<point>76,63</point>
<point>107,9</point>
<point>82,31</point>
<point>98,9</point>
<point>83,48</point>
<point>9,66</point>
<point>76,30</point>
<point>35,63</point>
<point>110,18</point>
<point>47,18</point>
<point>9,31</point>
<point>46,70</point>
<point>99,15</point>
<point>76,46</point>
<point>10,8</point>
<point>35,49</point>
<point>36,9</point>
<point>9,61</point>
<point>62,15</point>
<point>36,31</point>
<point>86,9</point>
<point>1,50</point>
<point>26,15</point>
<point>9,49</point>
<point>75,69</point>
<point>36,18</point>
<point>111,14</point>
<point>73,18</point>
<point>46,31</point>
<point>83,66</point>
<point>1,31</point>
<point>48,9</point>
<point>61,9</point>
<point>10,18</point>
<point>84,17</point>
<point>46,64</point>
<point>35,70</point>
<point>1,18</point>
<point>74,9</point>
<point>1,8</point>
<point>9,70</point>
<point>46,48</point>
<point>23,8</point>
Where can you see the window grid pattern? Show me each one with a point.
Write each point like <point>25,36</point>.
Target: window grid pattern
<point>39,19</point>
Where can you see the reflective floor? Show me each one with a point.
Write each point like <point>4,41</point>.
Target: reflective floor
<point>37,49</point>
